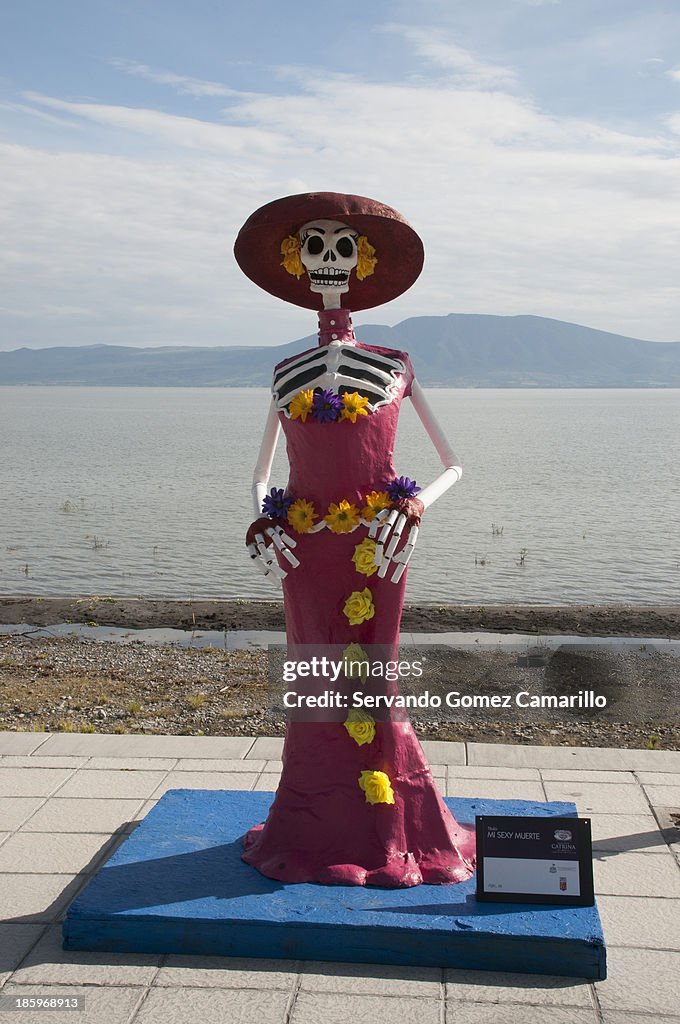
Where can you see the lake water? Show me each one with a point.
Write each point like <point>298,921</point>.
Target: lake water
<point>146,492</point>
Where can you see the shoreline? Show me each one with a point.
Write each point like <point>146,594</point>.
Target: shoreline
<point>149,613</point>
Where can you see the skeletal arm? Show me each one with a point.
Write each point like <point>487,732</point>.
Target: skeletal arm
<point>394,521</point>
<point>265,458</point>
<point>263,556</point>
<point>453,470</point>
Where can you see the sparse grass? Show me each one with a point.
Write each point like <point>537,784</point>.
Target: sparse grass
<point>230,713</point>
<point>64,725</point>
<point>134,707</point>
<point>653,743</point>
<point>196,700</point>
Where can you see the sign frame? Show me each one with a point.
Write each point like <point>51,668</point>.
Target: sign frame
<point>581,826</point>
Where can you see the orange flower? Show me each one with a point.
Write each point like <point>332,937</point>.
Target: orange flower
<point>376,501</point>
<point>355,405</point>
<point>301,515</point>
<point>343,517</point>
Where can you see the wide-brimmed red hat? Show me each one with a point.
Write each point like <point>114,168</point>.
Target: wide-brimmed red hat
<point>398,249</point>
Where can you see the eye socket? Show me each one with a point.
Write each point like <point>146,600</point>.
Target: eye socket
<point>314,245</point>
<point>345,247</point>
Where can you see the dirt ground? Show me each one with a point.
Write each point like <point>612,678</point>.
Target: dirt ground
<point>73,684</point>
<point>147,613</point>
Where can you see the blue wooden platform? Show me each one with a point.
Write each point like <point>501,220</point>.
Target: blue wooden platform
<point>177,884</point>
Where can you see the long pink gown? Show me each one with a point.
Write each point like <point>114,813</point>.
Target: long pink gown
<point>320,827</point>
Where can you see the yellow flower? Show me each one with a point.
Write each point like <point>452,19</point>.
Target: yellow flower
<point>343,517</point>
<point>361,726</point>
<point>355,662</point>
<point>363,557</point>
<point>301,515</point>
<point>367,258</point>
<point>377,787</point>
<point>290,250</point>
<point>301,405</point>
<point>375,502</point>
<point>359,607</point>
<point>355,405</point>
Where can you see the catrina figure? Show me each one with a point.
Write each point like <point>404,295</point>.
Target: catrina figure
<point>356,804</point>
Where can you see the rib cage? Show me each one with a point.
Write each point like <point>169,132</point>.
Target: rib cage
<point>340,368</point>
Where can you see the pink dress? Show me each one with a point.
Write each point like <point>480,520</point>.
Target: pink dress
<point>321,828</point>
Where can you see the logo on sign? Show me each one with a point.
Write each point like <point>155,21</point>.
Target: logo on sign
<point>563,834</point>
<point>563,884</point>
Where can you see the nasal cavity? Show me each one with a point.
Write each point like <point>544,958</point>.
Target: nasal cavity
<point>329,255</point>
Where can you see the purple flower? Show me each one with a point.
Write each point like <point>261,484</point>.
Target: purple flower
<point>274,504</point>
<point>327,407</point>
<point>402,487</point>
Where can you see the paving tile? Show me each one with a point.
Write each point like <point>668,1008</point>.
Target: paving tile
<point>442,752</point>
<point>609,758</point>
<point>485,1013</point>
<point>627,832</point>
<point>604,798</point>
<point>110,745</point>
<point>206,780</point>
<point>227,972</point>
<point>663,796</point>
<point>579,775</point>
<point>48,963</point>
<point>495,789</point>
<point>268,782</point>
<point>640,921</point>
<point>31,781</point>
<point>658,778</point>
<point>38,897</point>
<point>273,766</point>
<point>206,764</point>
<point>635,874</point>
<point>15,810</point>
<point>65,853</point>
<point>267,747</point>
<point>21,742</point>
<point>128,764</point>
<point>4,836</point>
<point>121,784</point>
<point>73,814</point>
<point>36,761</point>
<point>643,980</point>
<point>508,988</point>
<point>371,979</point>
<point>102,1005</point>
<point>342,1008</point>
<point>213,1006</point>
<point>15,941</point>
<point>480,771</point>
<point>614,1017</point>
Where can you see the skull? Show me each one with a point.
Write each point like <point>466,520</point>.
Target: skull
<point>328,250</point>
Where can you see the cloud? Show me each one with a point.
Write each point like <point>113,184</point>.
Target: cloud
<point>674,73</point>
<point>466,67</point>
<point>183,132</point>
<point>183,84</point>
<point>520,211</point>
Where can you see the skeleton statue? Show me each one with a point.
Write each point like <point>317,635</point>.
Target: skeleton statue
<point>356,805</point>
<point>328,252</point>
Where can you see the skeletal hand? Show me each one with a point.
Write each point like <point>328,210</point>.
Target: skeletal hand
<point>388,526</point>
<point>264,537</point>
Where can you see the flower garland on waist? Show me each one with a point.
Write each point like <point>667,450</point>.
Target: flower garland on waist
<point>341,517</point>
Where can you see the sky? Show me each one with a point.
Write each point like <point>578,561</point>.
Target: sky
<point>533,144</point>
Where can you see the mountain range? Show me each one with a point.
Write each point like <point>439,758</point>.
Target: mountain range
<point>458,350</point>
